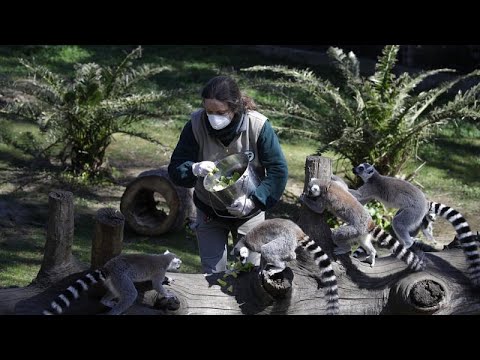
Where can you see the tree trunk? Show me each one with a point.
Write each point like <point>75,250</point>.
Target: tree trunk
<point>108,237</point>
<point>387,288</point>
<point>153,205</point>
<point>312,223</point>
<point>58,260</point>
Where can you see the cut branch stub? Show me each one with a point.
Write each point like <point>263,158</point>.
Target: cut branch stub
<point>318,167</point>
<point>58,247</point>
<point>418,293</point>
<point>153,205</point>
<point>108,237</point>
<point>58,260</point>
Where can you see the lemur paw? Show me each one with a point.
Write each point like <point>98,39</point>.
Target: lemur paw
<point>269,273</point>
<point>170,296</point>
<point>371,260</point>
<point>169,301</point>
<point>408,244</point>
<point>168,280</point>
<point>109,303</point>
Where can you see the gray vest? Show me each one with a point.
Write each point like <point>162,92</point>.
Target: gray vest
<point>212,149</point>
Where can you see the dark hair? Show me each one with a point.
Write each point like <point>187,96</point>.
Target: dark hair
<point>225,89</point>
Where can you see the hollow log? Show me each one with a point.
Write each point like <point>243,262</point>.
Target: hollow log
<point>108,236</point>
<point>58,260</point>
<point>387,288</point>
<point>150,216</point>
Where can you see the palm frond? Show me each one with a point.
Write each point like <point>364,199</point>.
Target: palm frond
<point>112,74</point>
<point>348,65</point>
<point>383,76</point>
<point>53,80</point>
<point>405,85</point>
<point>131,102</point>
<point>133,76</point>
<point>428,98</point>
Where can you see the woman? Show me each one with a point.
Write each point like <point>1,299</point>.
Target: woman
<point>227,124</point>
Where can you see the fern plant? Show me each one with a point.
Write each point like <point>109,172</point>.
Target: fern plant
<point>377,119</point>
<point>80,115</point>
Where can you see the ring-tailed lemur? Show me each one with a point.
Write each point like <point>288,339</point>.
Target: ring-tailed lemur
<point>277,240</point>
<point>119,275</point>
<point>393,193</point>
<point>359,226</point>
<point>413,206</point>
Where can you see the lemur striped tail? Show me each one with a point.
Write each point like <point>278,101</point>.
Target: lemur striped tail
<point>465,236</point>
<point>398,250</point>
<point>73,292</point>
<point>386,240</point>
<point>327,274</point>
<point>425,226</point>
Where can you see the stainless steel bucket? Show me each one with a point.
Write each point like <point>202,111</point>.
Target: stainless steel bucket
<point>245,185</point>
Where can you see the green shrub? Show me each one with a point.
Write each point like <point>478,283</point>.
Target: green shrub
<point>377,119</point>
<point>79,116</point>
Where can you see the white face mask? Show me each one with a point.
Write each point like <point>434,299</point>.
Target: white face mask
<point>219,121</point>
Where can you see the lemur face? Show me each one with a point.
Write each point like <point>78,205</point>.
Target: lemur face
<point>243,255</point>
<point>313,188</point>
<point>174,264</point>
<point>365,171</point>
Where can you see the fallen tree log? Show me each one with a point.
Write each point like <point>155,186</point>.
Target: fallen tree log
<point>387,288</point>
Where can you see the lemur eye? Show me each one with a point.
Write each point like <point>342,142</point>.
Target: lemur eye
<point>361,168</point>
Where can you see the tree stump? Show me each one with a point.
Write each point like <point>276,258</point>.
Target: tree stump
<point>312,223</point>
<point>108,237</point>
<point>58,260</point>
<point>153,205</point>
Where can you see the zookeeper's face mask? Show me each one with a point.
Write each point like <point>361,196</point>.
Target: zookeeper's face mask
<point>219,121</point>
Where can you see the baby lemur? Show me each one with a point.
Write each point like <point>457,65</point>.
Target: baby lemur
<point>119,275</point>
<point>277,240</point>
<point>335,197</point>
<point>413,208</point>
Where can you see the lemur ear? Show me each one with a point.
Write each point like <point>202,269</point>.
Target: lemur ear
<point>166,252</point>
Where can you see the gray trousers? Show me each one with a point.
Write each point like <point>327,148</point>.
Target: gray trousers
<point>212,237</point>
